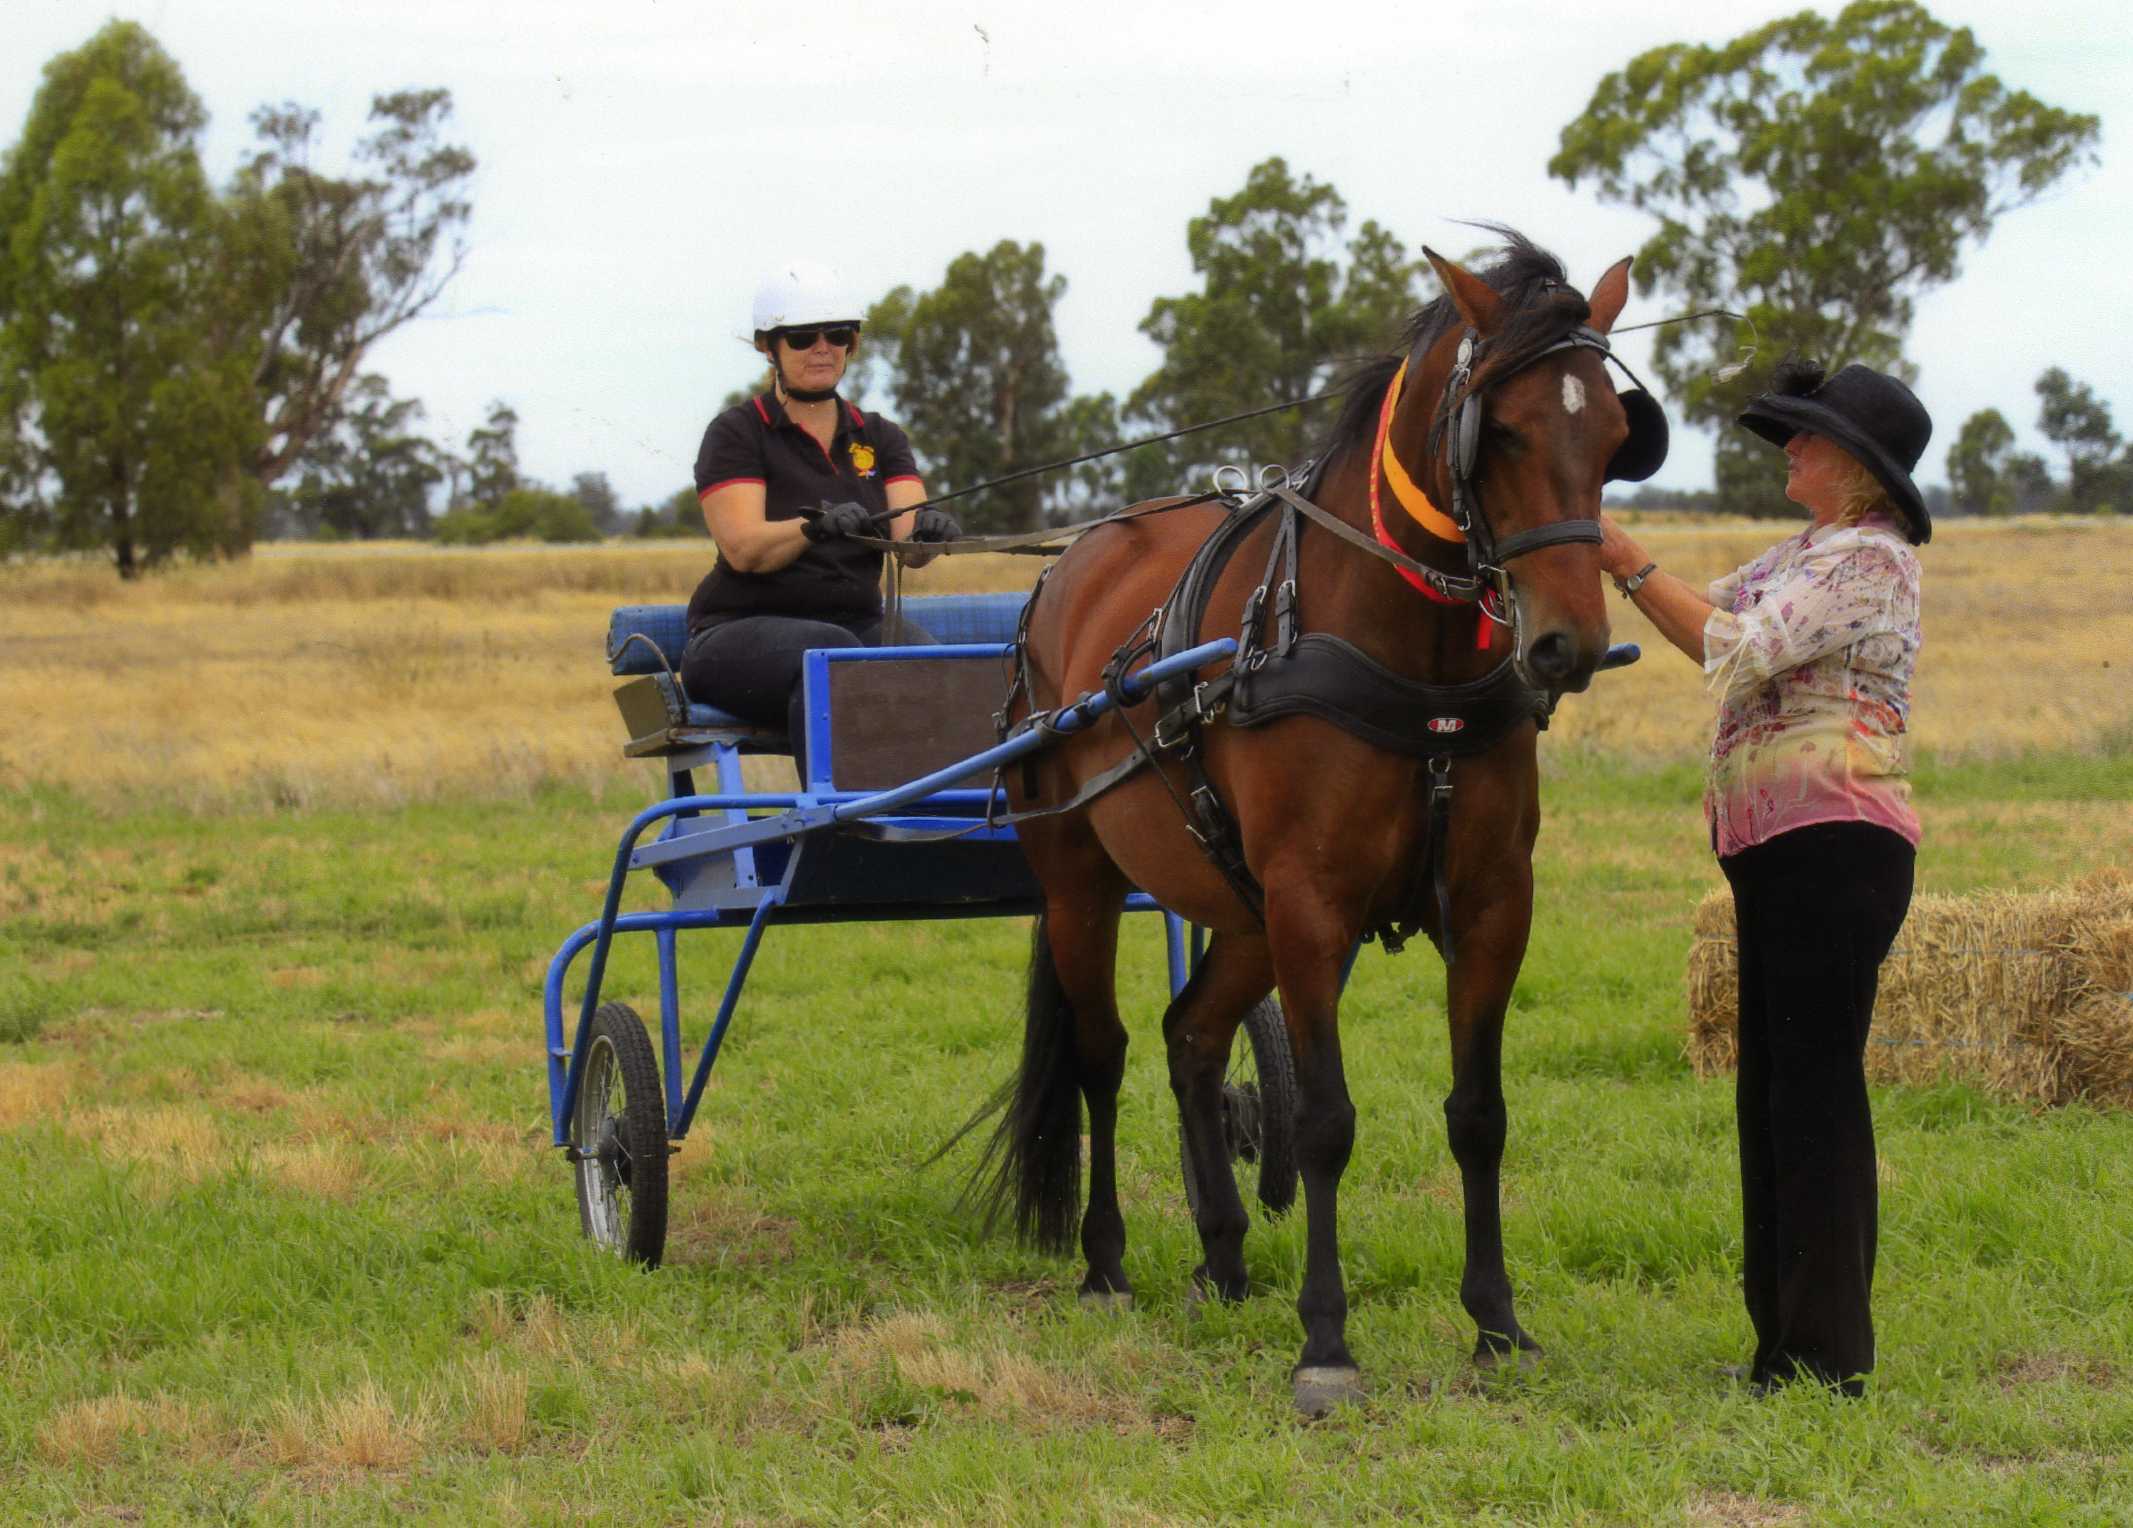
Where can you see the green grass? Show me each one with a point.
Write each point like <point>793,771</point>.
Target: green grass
<point>273,1169</point>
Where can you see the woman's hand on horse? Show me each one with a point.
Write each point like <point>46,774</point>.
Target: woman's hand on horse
<point>832,521</point>
<point>1619,555</point>
<point>935,525</point>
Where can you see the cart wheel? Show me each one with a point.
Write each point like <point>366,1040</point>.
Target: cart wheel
<point>618,1138</point>
<point>1258,1109</point>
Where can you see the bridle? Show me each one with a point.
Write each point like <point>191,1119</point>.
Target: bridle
<point>1455,431</point>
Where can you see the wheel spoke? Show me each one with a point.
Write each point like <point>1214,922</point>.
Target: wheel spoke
<point>621,1189</point>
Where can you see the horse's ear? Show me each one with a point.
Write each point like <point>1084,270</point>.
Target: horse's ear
<point>1475,299</point>
<point>1609,294</point>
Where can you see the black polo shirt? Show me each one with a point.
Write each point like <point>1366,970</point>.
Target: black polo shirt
<point>756,442</point>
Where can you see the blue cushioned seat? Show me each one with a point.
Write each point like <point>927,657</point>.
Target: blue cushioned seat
<point>954,618</point>
<point>667,627</point>
<point>649,639</point>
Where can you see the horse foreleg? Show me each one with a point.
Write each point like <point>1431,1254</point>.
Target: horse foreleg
<point>1309,949</point>
<point>1488,950</point>
<point>1199,1029</point>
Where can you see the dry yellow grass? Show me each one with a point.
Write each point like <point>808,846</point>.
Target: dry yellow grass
<point>382,674</point>
<point>329,1169</point>
<point>32,1091</point>
<point>93,1433</point>
<point>362,675</point>
<point>495,1417</point>
<point>990,1377</point>
<point>171,1142</point>
<point>362,1429</point>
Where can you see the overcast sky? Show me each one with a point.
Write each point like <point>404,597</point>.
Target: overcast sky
<point>642,161</point>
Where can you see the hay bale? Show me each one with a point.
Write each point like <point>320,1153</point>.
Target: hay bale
<point>2025,993</point>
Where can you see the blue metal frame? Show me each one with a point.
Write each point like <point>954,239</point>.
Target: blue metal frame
<point>736,838</point>
<point>755,840</point>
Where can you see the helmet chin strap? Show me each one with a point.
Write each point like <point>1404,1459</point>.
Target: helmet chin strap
<point>788,393</point>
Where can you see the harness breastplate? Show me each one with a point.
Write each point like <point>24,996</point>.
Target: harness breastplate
<point>1326,677</point>
<point>1319,674</point>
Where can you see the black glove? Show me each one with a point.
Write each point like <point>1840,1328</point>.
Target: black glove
<point>832,521</point>
<point>935,525</point>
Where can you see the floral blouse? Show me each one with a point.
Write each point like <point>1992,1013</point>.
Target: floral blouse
<point>1811,651</point>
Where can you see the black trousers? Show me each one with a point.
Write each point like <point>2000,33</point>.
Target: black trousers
<point>1816,910</point>
<point>751,666</point>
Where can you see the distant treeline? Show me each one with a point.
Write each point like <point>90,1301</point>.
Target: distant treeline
<point>188,361</point>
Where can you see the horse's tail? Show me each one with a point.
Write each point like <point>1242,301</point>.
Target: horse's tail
<point>1033,1161</point>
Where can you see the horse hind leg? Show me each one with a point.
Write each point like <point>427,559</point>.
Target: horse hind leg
<point>1084,947</point>
<point>1198,1030</point>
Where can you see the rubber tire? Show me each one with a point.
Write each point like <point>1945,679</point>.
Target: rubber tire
<point>1271,1085</point>
<point>618,1044</point>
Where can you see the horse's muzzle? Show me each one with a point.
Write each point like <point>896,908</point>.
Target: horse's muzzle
<point>1558,661</point>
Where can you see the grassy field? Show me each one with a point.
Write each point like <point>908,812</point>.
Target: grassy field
<point>286,1241</point>
<point>328,676</point>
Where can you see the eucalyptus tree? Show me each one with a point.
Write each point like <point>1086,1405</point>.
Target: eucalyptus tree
<point>1977,464</point>
<point>333,263</point>
<point>2098,475</point>
<point>1283,306</point>
<point>1818,173</point>
<point>125,392</point>
<point>974,373</point>
<point>370,472</point>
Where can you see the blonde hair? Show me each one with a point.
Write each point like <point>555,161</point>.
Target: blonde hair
<point>1861,494</point>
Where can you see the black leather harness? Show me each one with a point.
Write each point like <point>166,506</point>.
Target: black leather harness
<point>1294,673</point>
<point>1317,674</point>
<point>1298,673</point>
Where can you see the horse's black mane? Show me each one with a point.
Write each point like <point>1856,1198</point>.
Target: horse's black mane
<point>1524,273</point>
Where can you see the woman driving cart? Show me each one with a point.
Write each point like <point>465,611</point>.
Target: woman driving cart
<point>787,480</point>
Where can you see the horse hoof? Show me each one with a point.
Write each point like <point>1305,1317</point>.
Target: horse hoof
<point>1518,1360</point>
<point>1106,1299</point>
<point>1203,1291</point>
<point>1320,1388</point>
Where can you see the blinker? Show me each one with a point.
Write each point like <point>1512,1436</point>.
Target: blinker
<point>1643,451</point>
<point>1469,438</point>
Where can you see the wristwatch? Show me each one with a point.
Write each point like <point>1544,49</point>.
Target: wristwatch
<point>1630,585</point>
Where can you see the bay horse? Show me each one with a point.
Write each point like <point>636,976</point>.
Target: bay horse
<point>1504,410</point>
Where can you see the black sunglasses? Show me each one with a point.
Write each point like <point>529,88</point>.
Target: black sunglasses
<point>804,339</point>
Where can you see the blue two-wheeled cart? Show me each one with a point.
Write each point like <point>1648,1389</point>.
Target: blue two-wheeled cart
<point>891,822</point>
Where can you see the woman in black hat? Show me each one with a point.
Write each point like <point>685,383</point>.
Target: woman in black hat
<point>1810,648</point>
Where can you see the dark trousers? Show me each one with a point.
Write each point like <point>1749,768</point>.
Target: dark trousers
<point>1815,910</point>
<point>751,666</point>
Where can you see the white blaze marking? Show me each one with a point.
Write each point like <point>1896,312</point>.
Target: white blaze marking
<point>1573,395</point>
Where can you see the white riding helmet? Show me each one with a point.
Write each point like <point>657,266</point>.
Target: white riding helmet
<point>802,293</point>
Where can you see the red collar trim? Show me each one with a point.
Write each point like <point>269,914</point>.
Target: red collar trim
<point>1484,624</point>
<point>1377,471</point>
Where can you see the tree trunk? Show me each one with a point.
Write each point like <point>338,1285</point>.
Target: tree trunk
<point>121,522</point>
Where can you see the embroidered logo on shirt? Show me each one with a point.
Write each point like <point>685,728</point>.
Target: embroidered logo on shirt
<point>862,458</point>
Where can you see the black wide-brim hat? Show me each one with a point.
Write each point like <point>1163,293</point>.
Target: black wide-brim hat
<point>1870,414</point>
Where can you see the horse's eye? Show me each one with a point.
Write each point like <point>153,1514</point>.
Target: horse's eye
<point>1502,438</point>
